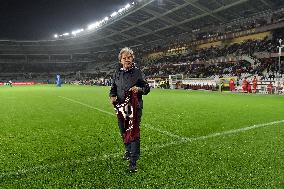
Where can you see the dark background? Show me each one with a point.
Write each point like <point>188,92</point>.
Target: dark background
<point>41,19</point>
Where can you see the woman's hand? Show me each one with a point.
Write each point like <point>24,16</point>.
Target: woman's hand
<point>135,89</point>
<point>113,99</point>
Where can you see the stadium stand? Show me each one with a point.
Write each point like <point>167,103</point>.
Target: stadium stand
<point>198,39</point>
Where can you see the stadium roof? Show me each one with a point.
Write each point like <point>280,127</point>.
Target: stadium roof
<point>155,20</point>
<point>151,21</point>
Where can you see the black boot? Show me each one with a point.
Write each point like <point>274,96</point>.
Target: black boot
<point>133,167</point>
<point>127,152</point>
<point>126,156</point>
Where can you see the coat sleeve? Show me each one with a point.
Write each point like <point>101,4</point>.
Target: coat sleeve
<point>142,84</point>
<point>113,89</point>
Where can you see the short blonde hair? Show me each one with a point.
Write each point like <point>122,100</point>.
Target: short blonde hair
<point>125,50</point>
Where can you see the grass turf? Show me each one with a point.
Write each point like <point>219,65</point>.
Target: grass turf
<point>48,141</point>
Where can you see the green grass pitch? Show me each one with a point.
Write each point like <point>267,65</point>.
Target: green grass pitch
<point>68,138</point>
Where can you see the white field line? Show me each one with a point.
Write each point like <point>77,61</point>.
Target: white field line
<point>40,168</point>
<point>87,105</point>
<point>164,132</point>
<point>152,149</point>
<point>113,114</point>
<point>114,155</point>
<point>184,138</point>
<point>177,136</point>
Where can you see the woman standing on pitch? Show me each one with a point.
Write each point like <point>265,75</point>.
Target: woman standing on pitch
<point>126,95</point>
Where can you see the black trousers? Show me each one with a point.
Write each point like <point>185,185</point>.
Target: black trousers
<point>133,148</point>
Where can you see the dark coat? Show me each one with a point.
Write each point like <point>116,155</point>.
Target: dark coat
<point>123,80</point>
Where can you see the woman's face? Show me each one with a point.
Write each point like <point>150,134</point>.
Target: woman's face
<point>126,60</point>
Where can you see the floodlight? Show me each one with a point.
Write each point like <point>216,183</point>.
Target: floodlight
<point>98,23</point>
<point>94,25</point>
<point>75,32</point>
<point>120,10</point>
<point>113,14</point>
<point>127,6</point>
<point>106,19</point>
<point>91,26</point>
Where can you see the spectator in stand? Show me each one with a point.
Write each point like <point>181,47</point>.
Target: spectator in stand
<point>249,88</point>
<point>281,88</point>
<point>10,83</point>
<point>245,85</point>
<point>269,88</point>
<point>232,85</point>
<point>221,85</point>
<point>254,84</point>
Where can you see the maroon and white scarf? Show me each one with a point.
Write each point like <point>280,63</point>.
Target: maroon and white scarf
<point>127,111</point>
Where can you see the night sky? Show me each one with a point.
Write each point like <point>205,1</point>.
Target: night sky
<point>41,19</point>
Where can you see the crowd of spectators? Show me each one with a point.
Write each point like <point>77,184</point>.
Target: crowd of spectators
<point>192,63</point>
<point>198,63</point>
